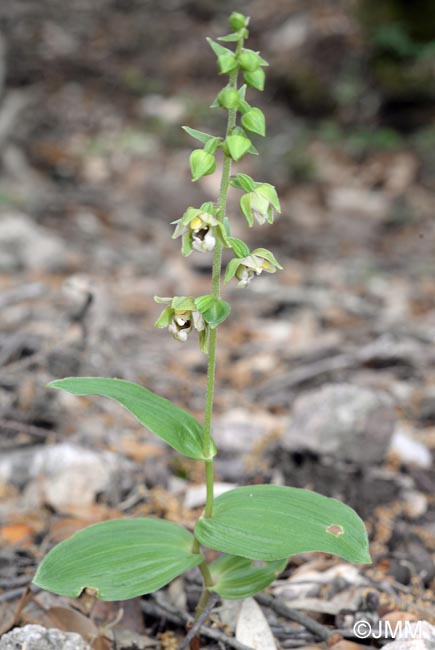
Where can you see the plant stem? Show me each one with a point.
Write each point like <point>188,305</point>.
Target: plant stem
<point>211,369</point>
<point>216,280</point>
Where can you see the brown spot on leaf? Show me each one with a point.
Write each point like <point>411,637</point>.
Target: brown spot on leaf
<point>335,530</point>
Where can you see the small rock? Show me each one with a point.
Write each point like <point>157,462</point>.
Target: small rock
<point>196,494</point>
<point>410,451</point>
<point>167,109</point>
<point>416,504</point>
<point>61,474</point>
<point>346,421</point>
<point>292,34</point>
<point>252,628</point>
<point>414,636</point>
<point>239,429</point>
<point>353,201</point>
<point>36,637</point>
<point>25,245</point>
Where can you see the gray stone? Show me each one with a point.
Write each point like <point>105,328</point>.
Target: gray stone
<point>62,474</point>
<point>36,637</point>
<point>26,245</point>
<point>346,421</point>
<point>413,636</point>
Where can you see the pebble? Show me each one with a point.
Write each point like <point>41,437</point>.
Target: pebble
<point>36,637</point>
<point>342,420</point>
<point>26,245</point>
<point>410,452</point>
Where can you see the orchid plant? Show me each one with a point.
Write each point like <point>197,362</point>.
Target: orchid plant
<point>255,528</point>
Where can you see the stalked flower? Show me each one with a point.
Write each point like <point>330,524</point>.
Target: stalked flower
<point>198,229</point>
<point>180,317</point>
<point>246,268</point>
<point>260,204</point>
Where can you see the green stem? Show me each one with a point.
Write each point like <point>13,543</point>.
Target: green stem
<point>212,345</point>
<point>216,281</point>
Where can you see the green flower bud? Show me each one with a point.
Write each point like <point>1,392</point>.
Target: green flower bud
<point>228,98</point>
<point>253,120</point>
<point>255,79</point>
<point>226,63</point>
<point>202,163</point>
<point>237,145</point>
<point>249,60</point>
<point>237,21</point>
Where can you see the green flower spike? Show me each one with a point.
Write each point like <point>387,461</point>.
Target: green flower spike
<point>197,228</point>
<point>246,268</point>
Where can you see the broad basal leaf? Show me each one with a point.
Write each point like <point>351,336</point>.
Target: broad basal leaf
<point>169,422</point>
<point>270,522</point>
<point>120,559</point>
<point>237,577</point>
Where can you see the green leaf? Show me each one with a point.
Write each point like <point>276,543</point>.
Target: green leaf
<point>169,422</point>
<point>229,38</point>
<point>242,92</point>
<point>254,121</point>
<point>218,49</point>
<point>120,559</point>
<point>214,311</point>
<point>203,303</point>
<point>238,145</point>
<point>271,522</point>
<point>198,135</point>
<point>239,247</point>
<point>236,577</point>
<point>212,145</point>
<point>255,79</point>
<point>202,163</point>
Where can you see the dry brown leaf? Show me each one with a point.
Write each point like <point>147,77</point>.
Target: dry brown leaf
<point>395,616</point>
<point>138,450</point>
<point>71,620</point>
<point>347,645</point>
<point>7,616</point>
<point>16,534</point>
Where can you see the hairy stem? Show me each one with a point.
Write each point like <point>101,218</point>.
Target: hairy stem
<point>211,369</point>
<point>216,282</point>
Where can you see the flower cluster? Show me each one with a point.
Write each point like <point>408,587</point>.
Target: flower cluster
<point>207,228</point>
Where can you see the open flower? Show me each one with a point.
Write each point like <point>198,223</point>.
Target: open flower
<point>260,203</point>
<point>197,228</point>
<point>246,268</point>
<point>181,317</point>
